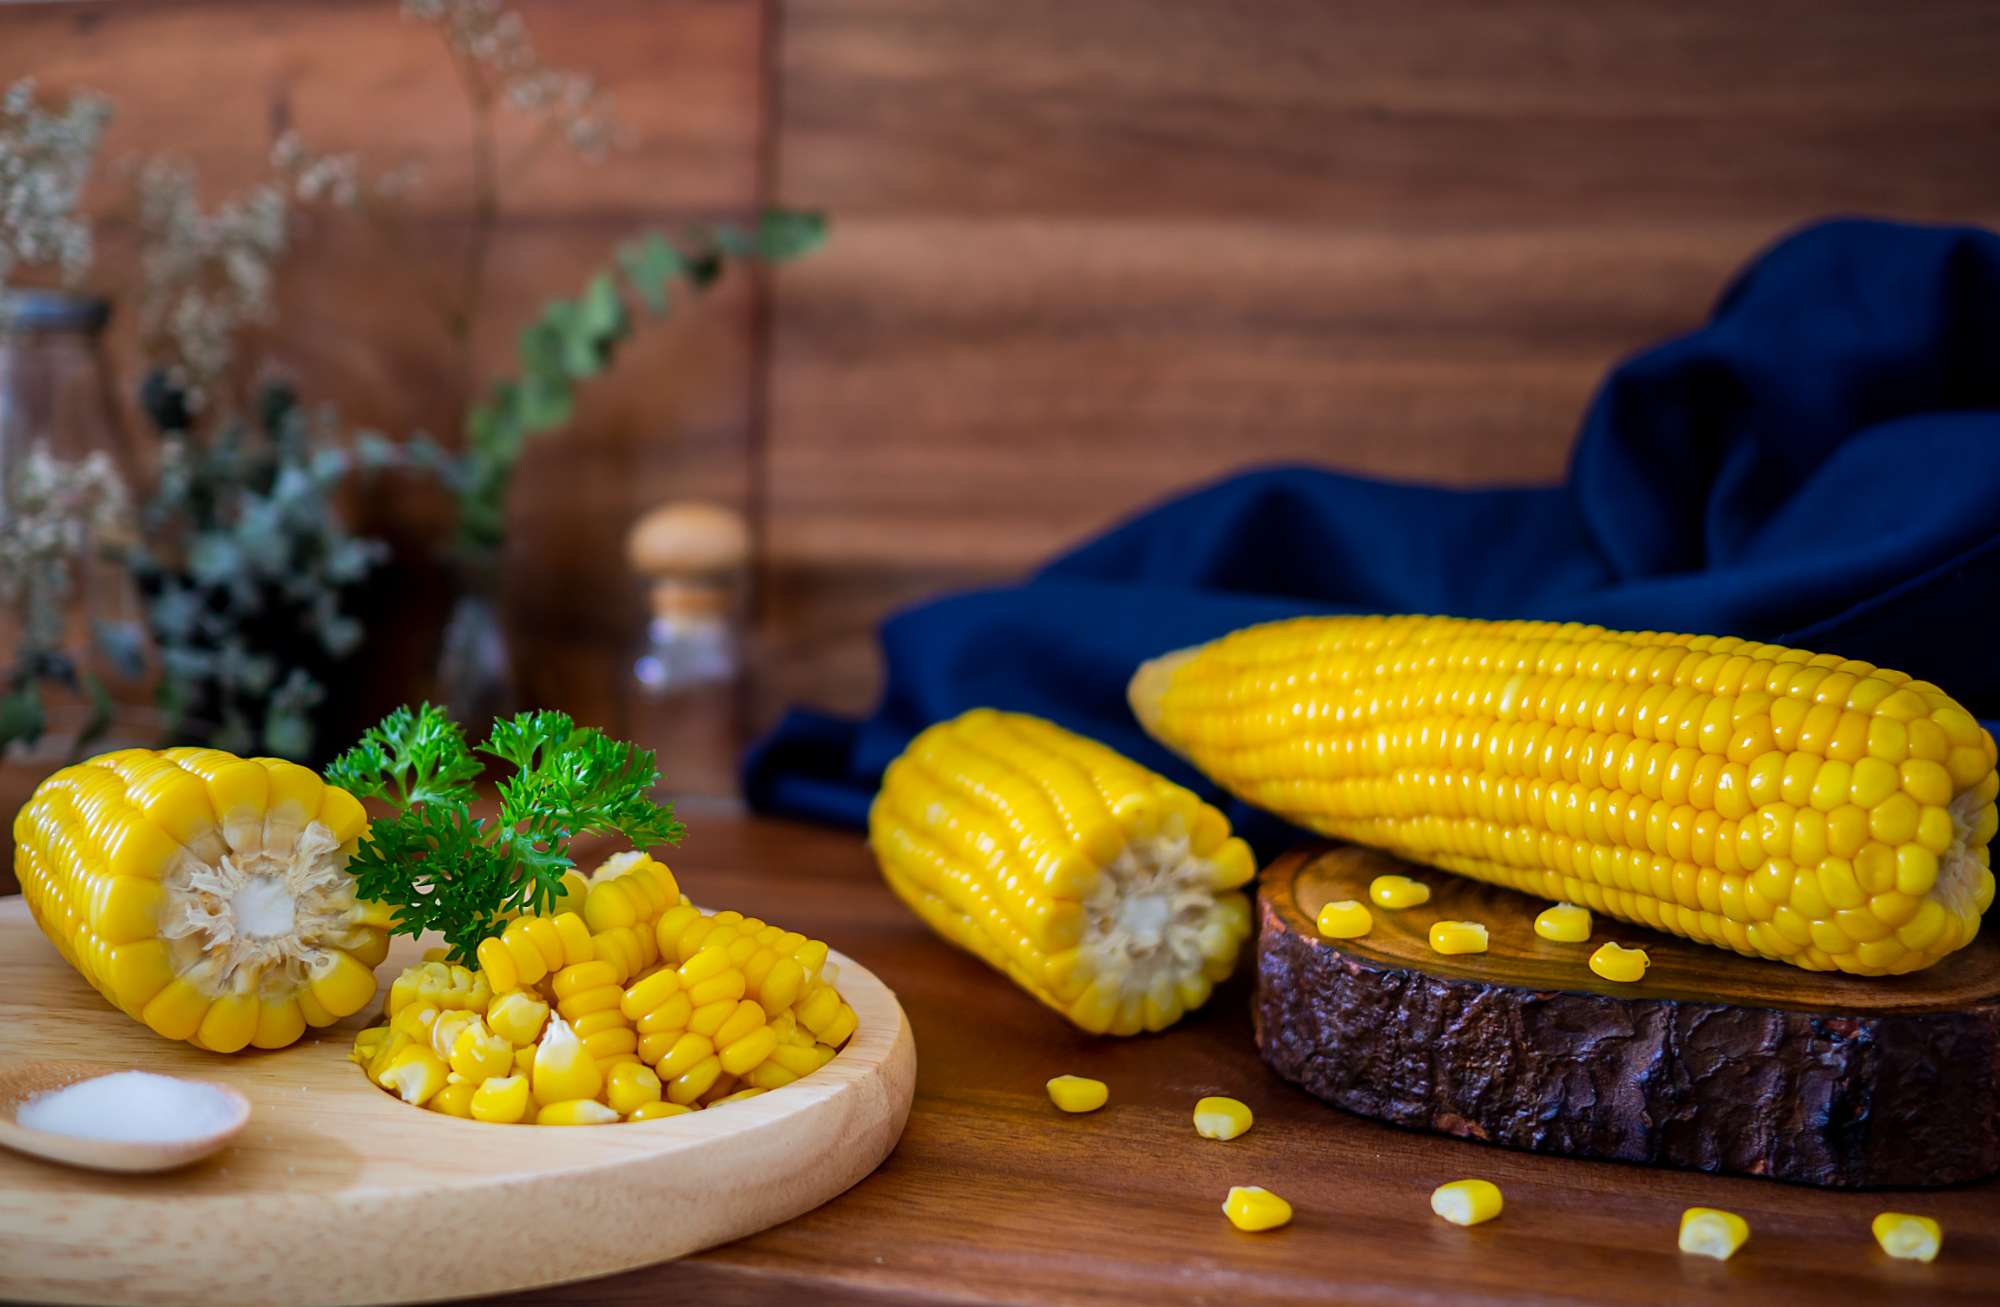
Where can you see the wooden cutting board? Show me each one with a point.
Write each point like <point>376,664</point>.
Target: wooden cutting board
<point>1713,1062</point>
<point>338,1193</point>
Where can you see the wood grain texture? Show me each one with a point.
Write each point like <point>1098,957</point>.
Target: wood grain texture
<point>994,1196</point>
<point>337,1192</point>
<point>1713,1062</point>
<point>1089,253</point>
<point>360,320</point>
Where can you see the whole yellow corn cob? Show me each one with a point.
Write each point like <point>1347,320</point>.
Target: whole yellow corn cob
<point>203,894</point>
<point>1783,804</point>
<point>1106,891</point>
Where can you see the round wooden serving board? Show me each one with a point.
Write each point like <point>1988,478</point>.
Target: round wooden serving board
<point>338,1193</point>
<point>1713,1062</point>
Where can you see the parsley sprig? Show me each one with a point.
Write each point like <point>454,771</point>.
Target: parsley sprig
<point>444,869</point>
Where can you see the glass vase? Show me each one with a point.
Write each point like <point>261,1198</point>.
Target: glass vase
<point>475,674</point>
<point>70,642</point>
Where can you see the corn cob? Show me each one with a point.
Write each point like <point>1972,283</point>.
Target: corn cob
<point>203,894</point>
<point>1107,892</point>
<point>630,1004</point>
<point>1783,804</point>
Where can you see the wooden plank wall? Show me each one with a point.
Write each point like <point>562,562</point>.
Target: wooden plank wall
<point>1090,251</point>
<point>1086,252</point>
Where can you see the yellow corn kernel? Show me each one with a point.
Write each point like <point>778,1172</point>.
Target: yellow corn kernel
<point>1782,804</point>
<point>574,893</point>
<point>563,1070</point>
<point>479,1054</point>
<point>1398,892</point>
<point>497,965</point>
<point>604,998</point>
<point>575,938</point>
<point>414,1074</point>
<point>1907,1237</point>
<point>736,1097</point>
<point>1345,919</point>
<point>367,1043</point>
<point>658,1110</point>
<point>1254,1208</point>
<point>649,992</point>
<point>683,1053</point>
<point>1220,1118</point>
<point>582,976</point>
<point>1458,937</point>
<point>517,1017</point>
<point>395,1044</point>
<point>695,1081</point>
<point>1712,1232</point>
<point>575,1111</point>
<point>741,1055</point>
<point>1565,923</point>
<point>1616,962</point>
<point>1467,1202</point>
<point>630,1087</point>
<point>1078,1093</point>
<point>502,1100</point>
<point>445,1030</point>
<point>415,1020</point>
<point>615,1044</point>
<point>608,904</point>
<point>1104,890</point>
<point>769,1074</point>
<point>837,1031</point>
<point>455,1099</point>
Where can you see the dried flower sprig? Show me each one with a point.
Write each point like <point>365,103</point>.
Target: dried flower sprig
<point>494,52</point>
<point>45,161</point>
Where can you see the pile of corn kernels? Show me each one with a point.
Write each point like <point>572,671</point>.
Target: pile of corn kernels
<point>626,1002</point>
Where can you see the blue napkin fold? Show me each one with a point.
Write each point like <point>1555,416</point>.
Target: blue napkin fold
<point>1818,465</point>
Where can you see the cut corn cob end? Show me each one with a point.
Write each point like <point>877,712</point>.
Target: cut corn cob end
<point>1712,1232</point>
<point>654,1010</point>
<point>1907,1237</point>
<point>1255,1209</point>
<point>1783,804</point>
<point>203,894</point>
<point>1107,892</point>
<point>1467,1202</point>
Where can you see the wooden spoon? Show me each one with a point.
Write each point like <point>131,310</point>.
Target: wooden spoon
<point>23,1080</point>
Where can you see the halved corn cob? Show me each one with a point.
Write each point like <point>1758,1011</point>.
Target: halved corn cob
<point>1104,890</point>
<point>204,894</point>
<point>1780,803</point>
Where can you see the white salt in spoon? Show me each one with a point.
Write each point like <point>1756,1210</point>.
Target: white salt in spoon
<point>211,1129</point>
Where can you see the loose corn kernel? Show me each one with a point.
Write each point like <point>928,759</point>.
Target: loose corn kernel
<point>631,1086</point>
<point>1345,919</point>
<point>1221,1118</point>
<point>517,1017</point>
<point>1398,892</point>
<point>502,1100</point>
<point>1616,962</point>
<point>1565,923</point>
<point>1078,1093</point>
<point>1253,1208</point>
<point>367,1043</point>
<point>563,1070</point>
<point>455,1099</point>
<point>479,1054</point>
<point>1910,1238</point>
<point>575,1111</point>
<point>1467,1202</point>
<point>414,1074</point>
<point>1712,1232</point>
<point>657,1111</point>
<point>1458,937</point>
<point>736,1097</point>
<point>695,1081</point>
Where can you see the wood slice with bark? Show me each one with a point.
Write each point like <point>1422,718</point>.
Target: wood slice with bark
<point>1713,1062</point>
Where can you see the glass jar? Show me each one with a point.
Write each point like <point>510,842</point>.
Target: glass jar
<point>69,614</point>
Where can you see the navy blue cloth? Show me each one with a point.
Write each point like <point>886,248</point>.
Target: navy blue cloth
<point>1817,465</point>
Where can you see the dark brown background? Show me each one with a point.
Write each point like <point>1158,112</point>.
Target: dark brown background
<point>1084,253</point>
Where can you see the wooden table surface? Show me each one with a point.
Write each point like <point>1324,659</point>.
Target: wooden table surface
<point>993,1196</point>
